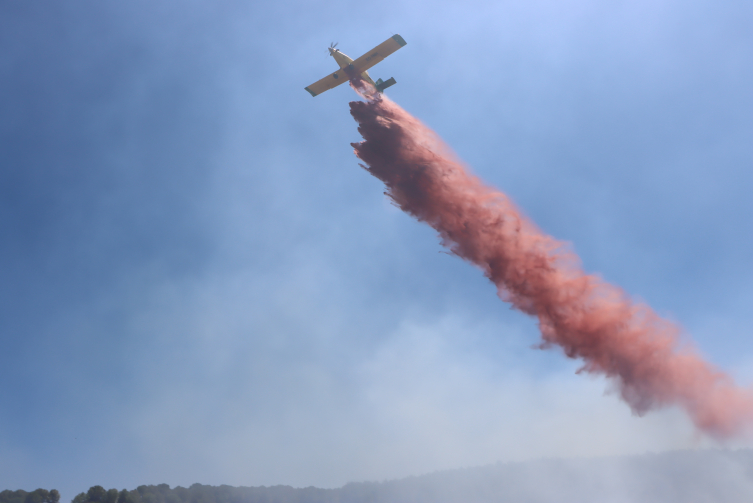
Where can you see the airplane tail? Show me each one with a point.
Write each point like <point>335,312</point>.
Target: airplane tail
<point>381,86</point>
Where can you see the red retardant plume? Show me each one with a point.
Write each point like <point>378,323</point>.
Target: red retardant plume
<point>585,316</point>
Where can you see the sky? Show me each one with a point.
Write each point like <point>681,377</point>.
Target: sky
<point>199,284</point>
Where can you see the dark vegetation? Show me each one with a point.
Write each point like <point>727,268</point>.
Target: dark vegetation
<point>38,496</point>
<point>717,476</point>
<point>198,493</point>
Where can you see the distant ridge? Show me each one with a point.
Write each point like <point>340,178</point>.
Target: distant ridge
<point>672,477</point>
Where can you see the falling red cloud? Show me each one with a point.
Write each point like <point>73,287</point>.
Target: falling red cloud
<point>586,317</point>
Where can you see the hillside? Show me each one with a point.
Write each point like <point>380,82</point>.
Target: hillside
<point>676,477</point>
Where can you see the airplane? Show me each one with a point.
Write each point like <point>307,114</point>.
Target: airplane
<point>350,69</point>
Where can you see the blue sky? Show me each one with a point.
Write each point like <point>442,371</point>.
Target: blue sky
<point>199,284</point>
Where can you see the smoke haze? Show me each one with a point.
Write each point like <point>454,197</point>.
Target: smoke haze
<point>200,285</point>
<point>589,319</point>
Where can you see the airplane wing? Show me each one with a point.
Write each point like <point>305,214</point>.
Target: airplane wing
<point>378,53</point>
<point>327,83</point>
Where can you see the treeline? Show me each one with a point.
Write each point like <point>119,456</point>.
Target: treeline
<point>198,493</point>
<point>721,476</point>
<point>38,496</point>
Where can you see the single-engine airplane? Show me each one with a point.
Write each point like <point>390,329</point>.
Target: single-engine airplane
<point>350,68</point>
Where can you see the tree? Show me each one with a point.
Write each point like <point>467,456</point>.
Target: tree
<point>97,494</point>
<point>125,497</point>
<point>9,496</point>
<point>39,496</point>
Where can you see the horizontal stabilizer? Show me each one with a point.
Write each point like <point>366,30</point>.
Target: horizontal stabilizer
<point>381,86</point>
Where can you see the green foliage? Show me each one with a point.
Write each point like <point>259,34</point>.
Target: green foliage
<point>37,496</point>
<point>125,497</point>
<point>197,493</point>
<point>13,496</point>
<point>96,494</point>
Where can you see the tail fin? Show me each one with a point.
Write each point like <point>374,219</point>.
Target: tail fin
<point>381,86</point>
